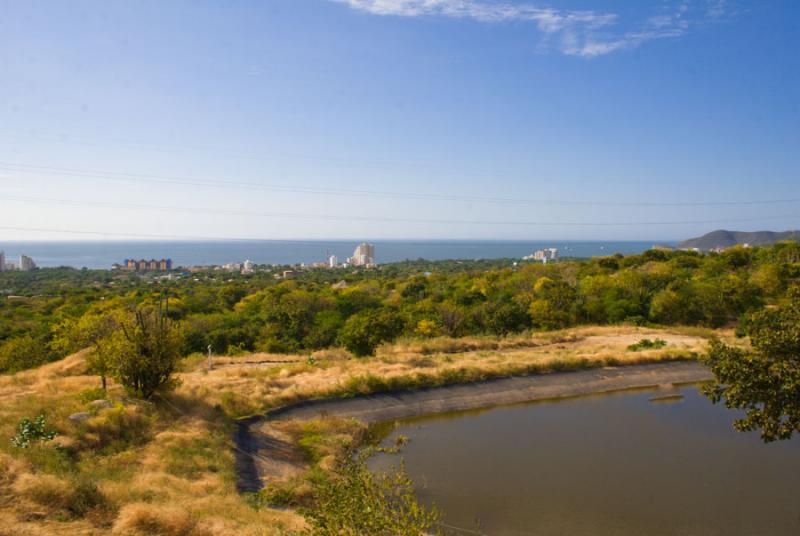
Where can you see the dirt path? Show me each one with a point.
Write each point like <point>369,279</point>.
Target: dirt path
<point>385,407</point>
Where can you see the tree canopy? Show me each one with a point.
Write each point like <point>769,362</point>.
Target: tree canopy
<point>49,313</point>
<point>763,381</point>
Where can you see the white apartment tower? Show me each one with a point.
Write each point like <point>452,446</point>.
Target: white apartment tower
<point>544,255</point>
<point>364,255</point>
<point>26,264</point>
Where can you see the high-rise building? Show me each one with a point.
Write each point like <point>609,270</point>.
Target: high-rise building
<point>364,255</point>
<point>544,255</point>
<point>142,265</point>
<point>248,267</point>
<point>333,262</point>
<point>2,261</point>
<point>26,264</point>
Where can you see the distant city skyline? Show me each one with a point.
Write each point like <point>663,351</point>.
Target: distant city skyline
<point>25,263</point>
<point>397,119</point>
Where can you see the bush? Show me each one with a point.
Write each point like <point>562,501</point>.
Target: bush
<point>83,497</point>
<point>647,344</point>
<point>90,395</point>
<point>364,332</point>
<point>146,350</point>
<point>22,353</point>
<point>355,501</point>
<point>29,431</point>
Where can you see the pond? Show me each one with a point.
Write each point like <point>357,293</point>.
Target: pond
<point>619,464</point>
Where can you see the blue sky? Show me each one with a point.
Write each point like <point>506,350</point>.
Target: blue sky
<point>303,119</point>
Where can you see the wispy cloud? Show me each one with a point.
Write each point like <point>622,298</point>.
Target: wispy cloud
<point>586,33</point>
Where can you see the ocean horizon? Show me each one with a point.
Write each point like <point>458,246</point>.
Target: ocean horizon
<point>102,255</point>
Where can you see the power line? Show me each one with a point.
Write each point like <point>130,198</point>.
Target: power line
<point>386,219</point>
<point>245,185</point>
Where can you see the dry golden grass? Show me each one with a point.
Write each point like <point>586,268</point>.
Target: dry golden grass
<point>142,519</point>
<point>163,468</point>
<point>257,389</point>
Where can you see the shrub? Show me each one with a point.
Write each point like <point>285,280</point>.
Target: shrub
<point>22,353</point>
<point>146,350</point>
<point>289,494</point>
<point>363,332</point>
<point>90,395</point>
<point>30,431</point>
<point>427,328</point>
<point>355,501</point>
<point>647,344</point>
<point>83,497</point>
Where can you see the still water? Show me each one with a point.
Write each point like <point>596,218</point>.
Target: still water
<point>606,465</point>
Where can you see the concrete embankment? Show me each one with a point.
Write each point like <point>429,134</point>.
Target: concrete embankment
<point>390,406</point>
<point>262,455</point>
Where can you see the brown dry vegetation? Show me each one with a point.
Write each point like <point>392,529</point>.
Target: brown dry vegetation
<point>252,390</point>
<point>168,467</point>
<point>163,468</point>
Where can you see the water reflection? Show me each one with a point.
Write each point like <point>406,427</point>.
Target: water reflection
<point>607,465</point>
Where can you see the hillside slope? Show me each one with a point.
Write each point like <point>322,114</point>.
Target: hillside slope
<point>725,239</point>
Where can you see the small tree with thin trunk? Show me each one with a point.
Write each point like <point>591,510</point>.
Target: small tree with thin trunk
<point>92,331</point>
<point>147,349</point>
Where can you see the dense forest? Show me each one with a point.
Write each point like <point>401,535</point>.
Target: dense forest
<point>46,314</point>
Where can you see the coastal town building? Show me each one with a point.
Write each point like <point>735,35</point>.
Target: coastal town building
<point>543,255</point>
<point>248,267</point>
<point>142,265</point>
<point>364,255</point>
<point>26,263</point>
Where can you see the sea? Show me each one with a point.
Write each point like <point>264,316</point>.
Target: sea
<point>102,255</point>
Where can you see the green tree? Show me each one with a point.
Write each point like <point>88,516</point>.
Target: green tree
<point>363,332</point>
<point>91,331</point>
<point>554,304</point>
<point>146,349</point>
<point>22,353</point>
<point>764,381</point>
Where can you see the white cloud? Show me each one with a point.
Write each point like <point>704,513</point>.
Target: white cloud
<point>575,33</point>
